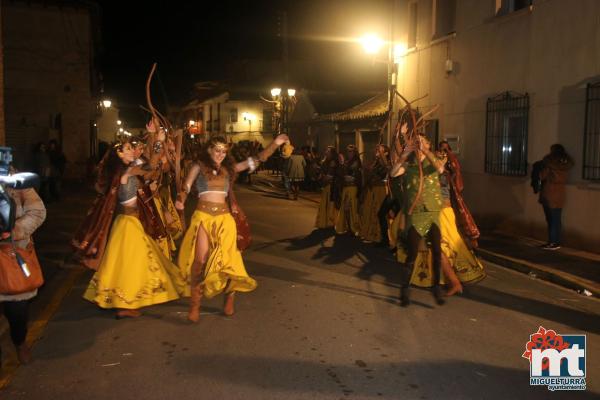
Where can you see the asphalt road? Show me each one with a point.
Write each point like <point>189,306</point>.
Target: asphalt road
<point>324,323</point>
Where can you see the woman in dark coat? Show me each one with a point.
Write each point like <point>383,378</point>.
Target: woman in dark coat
<point>553,195</point>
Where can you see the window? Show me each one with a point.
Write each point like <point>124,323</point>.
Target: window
<point>432,132</point>
<point>268,120</point>
<point>412,25</point>
<point>444,14</point>
<point>233,115</point>
<point>504,7</point>
<point>591,134</point>
<point>506,134</point>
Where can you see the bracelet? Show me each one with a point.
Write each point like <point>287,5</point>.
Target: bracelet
<point>251,164</point>
<point>158,146</point>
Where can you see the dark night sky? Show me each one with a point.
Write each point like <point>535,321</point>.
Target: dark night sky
<point>197,41</point>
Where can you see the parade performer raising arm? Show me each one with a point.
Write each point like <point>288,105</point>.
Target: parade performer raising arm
<point>422,208</point>
<point>133,271</point>
<point>209,257</point>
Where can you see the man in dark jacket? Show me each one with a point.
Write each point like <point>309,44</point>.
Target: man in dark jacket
<point>553,192</point>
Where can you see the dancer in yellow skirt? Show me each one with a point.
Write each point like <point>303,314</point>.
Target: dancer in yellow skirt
<point>209,258</point>
<point>327,212</point>
<point>374,196</point>
<point>133,271</point>
<point>348,182</point>
<point>459,264</point>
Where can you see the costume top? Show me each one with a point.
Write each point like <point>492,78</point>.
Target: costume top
<point>431,195</point>
<point>199,178</point>
<point>128,191</point>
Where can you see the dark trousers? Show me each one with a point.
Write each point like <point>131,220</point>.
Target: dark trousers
<point>389,204</point>
<point>17,314</point>
<point>553,219</point>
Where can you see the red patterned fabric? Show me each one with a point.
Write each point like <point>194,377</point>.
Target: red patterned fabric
<point>464,220</point>
<point>91,237</point>
<point>244,237</point>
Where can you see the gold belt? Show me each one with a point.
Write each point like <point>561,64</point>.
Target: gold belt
<point>212,208</point>
<point>132,211</point>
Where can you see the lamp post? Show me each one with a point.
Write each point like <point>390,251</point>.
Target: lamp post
<point>372,44</point>
<point>283,102</point>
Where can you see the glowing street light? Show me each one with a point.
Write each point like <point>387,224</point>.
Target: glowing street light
<point>400,51</point>
<point>275,92</point>
<point>371,43</point>
<point>106,103</point>
<point>121,130</point>
<point>291,92</point>
<point>119,122</point>
<point>191,122</point>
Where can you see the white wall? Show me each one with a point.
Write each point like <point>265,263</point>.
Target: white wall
<point>551,53</point>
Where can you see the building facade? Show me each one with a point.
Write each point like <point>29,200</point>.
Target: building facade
<point>510,77</point>
<point>49,78</point>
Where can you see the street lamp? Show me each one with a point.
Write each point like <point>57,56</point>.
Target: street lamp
<point>283,102</point>
<point>119,122</point>
<point>275,92</point>
<point>106,103</point>
<point>371,43</point>
<point>247,116</point>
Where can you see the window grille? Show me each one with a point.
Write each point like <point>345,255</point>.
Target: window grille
<point>591,134</point>
<point>507,117</point>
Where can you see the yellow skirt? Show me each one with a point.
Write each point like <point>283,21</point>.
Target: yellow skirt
<point>347,219</point>
<point>327,211</point>
<point>369,221</point>
<point>133,272</point>
<point>396,226</point>
<point>466,265</point>
<point>225,268</point>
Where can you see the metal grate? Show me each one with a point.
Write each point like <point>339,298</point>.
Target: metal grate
<point>507,117</point>
<point>591,134</point>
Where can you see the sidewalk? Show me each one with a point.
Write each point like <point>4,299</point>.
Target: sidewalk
<point>574,269</point>
<point>570,268</point>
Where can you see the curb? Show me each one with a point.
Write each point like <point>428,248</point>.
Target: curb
<point>541,272</point>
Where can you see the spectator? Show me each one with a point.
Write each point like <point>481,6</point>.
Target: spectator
<point>42,168</point>
<point>553,194</point>
<point>30,214</point>
<point>57,168</point>
<point>293,172</point>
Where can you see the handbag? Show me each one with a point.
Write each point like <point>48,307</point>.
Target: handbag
<point>20,270</point>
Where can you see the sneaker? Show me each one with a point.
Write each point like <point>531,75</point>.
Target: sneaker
<point>551,246</point>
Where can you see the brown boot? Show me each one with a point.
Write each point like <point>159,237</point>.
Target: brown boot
<point>454,283</point>
<point>24,354</point>
<point>228,308</point>
<point>196,291</point>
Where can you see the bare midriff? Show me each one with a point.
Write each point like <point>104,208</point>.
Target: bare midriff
<point>213,197</point>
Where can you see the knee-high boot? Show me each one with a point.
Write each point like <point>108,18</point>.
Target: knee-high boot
<point>407,271</point>
<point>196,291</point>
